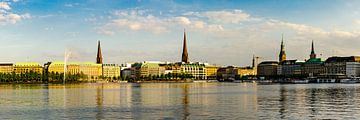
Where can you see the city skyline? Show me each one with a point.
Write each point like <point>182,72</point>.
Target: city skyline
<point>218,32</point>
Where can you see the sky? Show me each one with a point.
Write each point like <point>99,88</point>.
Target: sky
<point>223,32</point>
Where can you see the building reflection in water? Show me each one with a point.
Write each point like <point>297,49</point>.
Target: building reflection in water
<point>99,101</point>
<point>185,101</point>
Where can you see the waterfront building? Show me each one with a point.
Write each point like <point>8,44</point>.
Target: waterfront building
<point>6,68</point>
<point>235,73</point>
<point>90,69</point>
<point>341,67</point>
<point>111,71</point>
<point>290,68</point>
<point>211,71</point>
<point>125,71</point>
<point>185,56</point>
<point>58,67</point>
<point>245,71</point>
<point>146,69</point>
<point>227,73</point>
<point>282,55</point>
<point>314,66</point>
<point>267,68</point>
<point>196,70</point>
<point>171,68</point>
<point>25,67</point>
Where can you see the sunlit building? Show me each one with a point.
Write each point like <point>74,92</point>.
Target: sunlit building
<point>90,69</point>
<point>211,71</point>
<point>25,67</point>
<point>146,69</point>
<point>196,70</point>
<point>6,68</point>
<point>111,70</point>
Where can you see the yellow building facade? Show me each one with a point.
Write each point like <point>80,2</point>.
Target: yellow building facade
<point>25,67</point>
<point>91,70</point>
<point>211,72</point>
<point>6,68</point>
<point>111,70</point>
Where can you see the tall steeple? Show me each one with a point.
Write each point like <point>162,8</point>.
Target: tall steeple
<point>99,55</point>
<point>185,56</point>
<point>282,55</point>
<point>253,61</point>
<point>312,55</point>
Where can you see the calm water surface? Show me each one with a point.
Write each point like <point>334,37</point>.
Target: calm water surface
<point>180,101</point>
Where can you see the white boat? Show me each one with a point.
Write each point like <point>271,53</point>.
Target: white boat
<point>326,80</point>
<point>349,81</point>
<point>211,81</point>
<point>199,81</point>
<point>264,81</point>
<point>300,81</point>
<point>237,81</point>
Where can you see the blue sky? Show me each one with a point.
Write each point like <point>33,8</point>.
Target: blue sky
<point>225,32</point>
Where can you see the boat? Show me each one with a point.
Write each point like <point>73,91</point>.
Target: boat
<point>326,80</point>
<point>298,81</point>
<point>350,81</point>
<point>264,81</point>
<point>199,81</point>
<point>212,81</point>
<point>237,81</point>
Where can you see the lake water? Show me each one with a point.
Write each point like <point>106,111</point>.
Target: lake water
<point>180,101</point>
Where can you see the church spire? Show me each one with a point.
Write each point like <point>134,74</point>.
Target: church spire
<point>282,55</point>
<point>185,57</point>
<point>99,55</point>
<point>312,54</point>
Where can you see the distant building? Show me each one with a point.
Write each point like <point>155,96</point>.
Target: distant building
<point>25,67</point>
<point>90,69</point>
<point>146,69</point>
<point>227,73</point>
<point>6,68</point>
<point>196,70</point>
<point>171,68</point>
<point>289,68</point>
<point>245,71</point>
<point>313,67</point>
<point>111,70</point>
<point>211,71</point>
<point>267,68</point>
<point>341,67</point>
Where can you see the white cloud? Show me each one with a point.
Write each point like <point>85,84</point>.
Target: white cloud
<point>8,17</point>
<point>5,5</point>
<point>226,16</point>
<point>136,20</point>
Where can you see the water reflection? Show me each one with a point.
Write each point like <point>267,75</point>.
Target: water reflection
<point>179,101</point>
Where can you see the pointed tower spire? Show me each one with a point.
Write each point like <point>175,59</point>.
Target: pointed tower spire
<point>282,55</point>
<point>185,57</point>
<point>99,55</point>
<point>253,61</point>
<point>312,54</point>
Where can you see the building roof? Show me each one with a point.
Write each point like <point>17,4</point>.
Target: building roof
<point>343,59</point>
<point>268,62</point>
<point>27,64</point>
<point>6,64</point>
<point>314,61</point>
